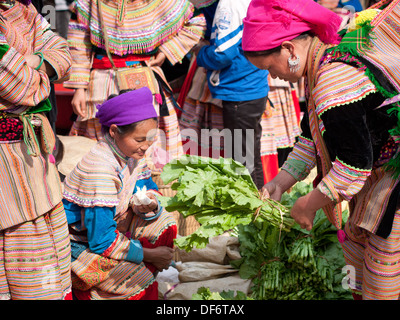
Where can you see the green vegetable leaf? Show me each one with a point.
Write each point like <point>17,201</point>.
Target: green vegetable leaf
<point>220,193</point>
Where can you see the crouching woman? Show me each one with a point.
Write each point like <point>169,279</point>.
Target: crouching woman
<point>118,246</point>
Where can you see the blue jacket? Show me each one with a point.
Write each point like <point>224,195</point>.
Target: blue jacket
<point>231,77</point>
<point>354,3</point>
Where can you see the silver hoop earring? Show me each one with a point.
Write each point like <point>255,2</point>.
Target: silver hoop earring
<point>294,64</point>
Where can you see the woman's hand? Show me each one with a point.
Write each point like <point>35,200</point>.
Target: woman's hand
<point>147,208</point>
<point>305,208</point>
<point>79,102</point>
<point>302,214</point>
<point>147,211</point>
<point>277,186</point>
<point>160,257</point>
<point>158,60</point>
<point>32,60</point>
<point>272,190</point>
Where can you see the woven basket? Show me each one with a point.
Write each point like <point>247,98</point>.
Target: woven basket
<point>185,226</point>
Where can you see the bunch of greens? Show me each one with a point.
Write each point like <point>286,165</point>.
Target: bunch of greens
<point>221,194</point>
<point>204,293</point>
<point>297,265</point>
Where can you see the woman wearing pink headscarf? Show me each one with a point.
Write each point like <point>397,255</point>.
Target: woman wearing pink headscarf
<point>351,128</point>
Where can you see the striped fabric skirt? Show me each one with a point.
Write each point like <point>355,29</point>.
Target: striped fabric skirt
<point>374,261</point>
<point>35,259</point>
<point>283,118</point>
<point>102,85</point>
<point>95,277</point>
<point>280,128</point>
<point>201,119</point>
<point>197,123</point>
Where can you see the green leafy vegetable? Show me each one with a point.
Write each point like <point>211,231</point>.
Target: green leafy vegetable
<point>204,293</point>
<point>221,194</point>
<point>297,265</point>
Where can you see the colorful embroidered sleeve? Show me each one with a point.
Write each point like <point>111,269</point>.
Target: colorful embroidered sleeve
<point>21,85</point>
<point>343,181</point>
<point>177,47</point>
<point>102,235</point>
<point>344,96</point>
<point>54,48</point>
<point>340,84</point>
<point>94,181</point>
<point>81,50</point>
<point>104,238</point>
<point>302,159</point>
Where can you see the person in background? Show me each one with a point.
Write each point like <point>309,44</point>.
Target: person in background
<point>356,4</point>
<point>34,243</point>
<point>199,109</point>
<point>242,88</point>
<point>118,244</point>
<point>351,128</point>
<point>63,14</point>
<point>279,122</point>
<point>344,12</point>
<point>93,77</point>
<point>333,4</point>
<point>280,125</point>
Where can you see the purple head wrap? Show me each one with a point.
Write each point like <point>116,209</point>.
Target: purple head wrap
<point>25,2</point>
<point>127,108</point>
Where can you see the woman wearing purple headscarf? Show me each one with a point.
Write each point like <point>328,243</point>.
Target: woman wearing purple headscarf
<point>120,235</point>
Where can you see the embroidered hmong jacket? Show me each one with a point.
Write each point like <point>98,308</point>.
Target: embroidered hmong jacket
<point>134,28</point>
<point>354,128</point>
<point>97,195</point>
<point>30,185</point>
<point>23,32</point>
<point>355,108</point>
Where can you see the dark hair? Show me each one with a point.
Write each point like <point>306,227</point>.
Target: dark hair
<point>123,130</point>
<point>268,52</point>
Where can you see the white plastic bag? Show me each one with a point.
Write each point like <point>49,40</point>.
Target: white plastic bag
<point>140,197</point>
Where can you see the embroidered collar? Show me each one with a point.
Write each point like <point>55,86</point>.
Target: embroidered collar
<point>120,155</point>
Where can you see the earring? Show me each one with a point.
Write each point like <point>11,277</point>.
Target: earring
<point>294,64</point>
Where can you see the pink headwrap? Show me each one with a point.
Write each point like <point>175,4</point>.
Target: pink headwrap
<point>270,22</point>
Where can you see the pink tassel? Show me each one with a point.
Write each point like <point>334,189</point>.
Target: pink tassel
<point>158,98</point>
<point>341,236</point>
<point>51,158</point>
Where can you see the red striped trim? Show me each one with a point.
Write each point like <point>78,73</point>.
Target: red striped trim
<point>120,62</point>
